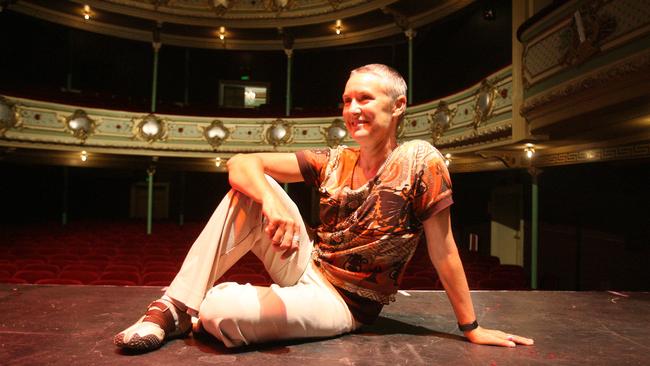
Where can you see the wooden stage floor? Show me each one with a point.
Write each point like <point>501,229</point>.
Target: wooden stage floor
<point>74,325</point>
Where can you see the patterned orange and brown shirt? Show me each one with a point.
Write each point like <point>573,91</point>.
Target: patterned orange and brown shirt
<point>368,235</point>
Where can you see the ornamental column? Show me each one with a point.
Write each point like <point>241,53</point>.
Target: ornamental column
<point>534,225</point>
<point>150,173</point>
<point>289,53</point>
<point>410,34</point>
<point>287,43</point>
<point>154,80</point>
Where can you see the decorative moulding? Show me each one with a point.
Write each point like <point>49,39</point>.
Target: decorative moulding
<point>335,133</point>
<point>440,120</point>
<point>484,102</point>
<point>216,133</point>
<point>150,128</point>
<point>9,116</point>
<point>80,125</point>
<point>279,133</point>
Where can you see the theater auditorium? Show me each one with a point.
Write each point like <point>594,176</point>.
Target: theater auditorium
<point>118,119</point>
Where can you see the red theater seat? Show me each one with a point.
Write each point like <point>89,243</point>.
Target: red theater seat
<point>121,276</point>
<point>158,278</point>
<point>58,281</point>
<point>81,267</point>
<point>21,262</point>
<point>113,283</point>
<point>14,280</point>
<point>122,268</point>
<point>33,276</point>
<point>7,267</point>
<point>42,267</point>
<point>85,277</point>
<point>160,268</point>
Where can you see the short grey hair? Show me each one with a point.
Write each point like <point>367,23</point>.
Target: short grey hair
<point>396,85</point>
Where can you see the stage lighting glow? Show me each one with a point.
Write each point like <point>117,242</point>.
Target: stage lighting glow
<point>529,150</point>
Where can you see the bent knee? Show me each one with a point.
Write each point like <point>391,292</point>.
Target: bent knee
<point>225,308</point>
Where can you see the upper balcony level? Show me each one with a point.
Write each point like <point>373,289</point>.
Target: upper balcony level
<point>578,91</point>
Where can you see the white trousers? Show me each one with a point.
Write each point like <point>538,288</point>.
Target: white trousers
<point>300,303</point>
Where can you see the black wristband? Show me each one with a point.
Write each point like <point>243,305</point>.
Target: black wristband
<point>467,327</point>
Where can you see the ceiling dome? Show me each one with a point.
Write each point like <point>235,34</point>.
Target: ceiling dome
<point>244,24</point>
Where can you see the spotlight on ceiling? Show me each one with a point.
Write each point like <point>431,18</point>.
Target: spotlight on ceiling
<point>338,26</point>
<point>529,150</point>
<point>87,13</point>
<point>489,14</point>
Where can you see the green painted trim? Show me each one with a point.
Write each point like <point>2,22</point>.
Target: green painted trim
<point>570,73</point>
<point>149,201</point>
<point>287,110</point>
<point>410,86</point>
<point>534,234</point>
<point>154,81</point>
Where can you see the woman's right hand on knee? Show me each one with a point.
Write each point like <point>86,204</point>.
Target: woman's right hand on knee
<point>281,228</point>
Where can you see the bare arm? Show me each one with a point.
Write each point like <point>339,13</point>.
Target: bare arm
<point>246,175</point>
<point>445,258</point>
<point>246,172</point>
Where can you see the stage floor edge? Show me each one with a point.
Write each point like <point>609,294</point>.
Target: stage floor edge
<point>74,325</point>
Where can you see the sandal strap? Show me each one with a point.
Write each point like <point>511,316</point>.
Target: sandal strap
<point>159,313</point>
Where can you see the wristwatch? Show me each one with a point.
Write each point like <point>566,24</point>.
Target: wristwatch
<point>467,327</point>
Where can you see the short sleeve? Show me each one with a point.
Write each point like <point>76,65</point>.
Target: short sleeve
<point>432,182</point>
<point>312,165</point>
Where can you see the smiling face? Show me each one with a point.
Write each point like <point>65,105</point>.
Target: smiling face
<point>369,112</point>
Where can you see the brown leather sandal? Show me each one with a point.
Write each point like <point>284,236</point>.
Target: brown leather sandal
<point>161,322</point>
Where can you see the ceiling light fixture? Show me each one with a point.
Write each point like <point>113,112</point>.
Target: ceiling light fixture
<point>338,26</point>
<point>84,155</point>
<point>217,161</point>
<point>87,12</point>
<point>222,33</point>
<point>529,150</point>
<point>447,159</point>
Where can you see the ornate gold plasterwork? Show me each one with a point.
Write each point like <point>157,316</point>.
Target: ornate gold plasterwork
<point>278,5</point>
<point>484,102</point>
<point>616,72</point>
<point>221,7</point>
<point>477,137</point>
<point>9,116</point>
<point>80,125</point>
<point>216,133</point>
<point>587,32</point>
<point>335,133</point>
<point>279,133</point>
<point>150,128</point>
<point>440,120</point>
<point>635,151</point>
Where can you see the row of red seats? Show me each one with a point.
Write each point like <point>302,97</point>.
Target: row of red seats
<point>117,278</point>
<point>121,252</point>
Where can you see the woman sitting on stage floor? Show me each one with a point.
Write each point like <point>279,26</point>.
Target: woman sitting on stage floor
<point>375,203</point>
